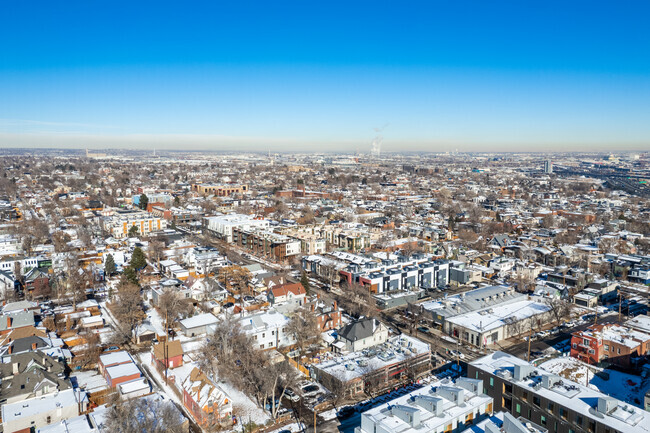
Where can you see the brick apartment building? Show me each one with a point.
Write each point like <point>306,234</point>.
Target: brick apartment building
<point>619,345</point>
<point>219,190</point>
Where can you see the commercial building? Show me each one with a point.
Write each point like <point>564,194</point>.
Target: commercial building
<point>555,403</point>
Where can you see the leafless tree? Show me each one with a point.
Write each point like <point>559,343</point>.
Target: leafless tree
<point>127,309</point>
<point>173,306</point>
<point>304,328</point>
<point>559,309</point>
<point>143,415</point>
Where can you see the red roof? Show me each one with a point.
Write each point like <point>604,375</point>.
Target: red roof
<point>283,290</point>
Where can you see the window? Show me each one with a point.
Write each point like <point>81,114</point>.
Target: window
<point>476,375</point>
<point>618,350</point>
<point>525,395</point>
<point>543,420</point>
<point>592,426</point>
<point>491,381</point>
<point>263,334</point>
<point>572,431</point>
<point>585,342</point>
<point>518,409</point>
<point>550,407</point>
<point>574,345</point>
<point>563,413</point>
<point>272,332</point>
<point>579,420</point>
<point>536,401</point>
<point>607,348</point>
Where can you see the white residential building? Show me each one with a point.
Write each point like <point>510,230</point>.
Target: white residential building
<point>441,409</point>
<point>223,225</point>
<point>267,329</point>
<point>41,411</point>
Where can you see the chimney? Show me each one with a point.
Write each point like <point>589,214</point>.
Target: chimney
<point>336,306</point>
<point>33,346</point>
<point>317,295</point>
<point>14,366</point>
<point>11,349</point>
<point>313,307</point>
<point>8,322</point>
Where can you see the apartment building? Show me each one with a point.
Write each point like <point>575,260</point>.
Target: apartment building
<point>448,408</point>
<point>555,403</point>
<point>220,190</point>
<point>222,226</point>
<point>376,367</point>
<point>615,344</point>
<point>119,224</point>
<point>266,243</point>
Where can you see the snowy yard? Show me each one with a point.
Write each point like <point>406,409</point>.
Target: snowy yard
<point>626,387</point>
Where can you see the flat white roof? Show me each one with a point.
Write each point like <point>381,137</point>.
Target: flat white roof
<point>199,320</point>
<point>115,358</point>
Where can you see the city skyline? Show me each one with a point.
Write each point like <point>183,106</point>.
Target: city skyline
<point>296,77</point>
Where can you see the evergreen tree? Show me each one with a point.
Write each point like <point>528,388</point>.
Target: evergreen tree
<point>138,260</point>
<point>109,266</point>
<point>144,201</point>
<point>130,276</point>
<point>305,281</point>
<point>133,231</point>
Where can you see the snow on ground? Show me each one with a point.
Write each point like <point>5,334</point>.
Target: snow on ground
<point>293,428</point>
<point>626,387</point>
<point>328,414</point>
<point>243,407</point>
<point>156,321</point>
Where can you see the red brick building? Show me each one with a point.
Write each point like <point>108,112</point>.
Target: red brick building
<point>615,344</point>
<point>168,355</point>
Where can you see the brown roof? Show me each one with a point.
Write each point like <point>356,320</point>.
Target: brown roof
<point>174,348</point>
<point>295,288</point>
<point>27,331</point>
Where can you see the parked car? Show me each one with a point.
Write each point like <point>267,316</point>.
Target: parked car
<point>288,393</point>
<point>423,329</point>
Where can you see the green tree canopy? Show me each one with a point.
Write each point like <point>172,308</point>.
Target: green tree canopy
<point>130,276</point>
<point>144,201</point>
<point>109,266</point>
<point>138,259</point>
<point>133,231</point>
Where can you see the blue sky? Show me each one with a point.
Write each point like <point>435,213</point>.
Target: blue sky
<point>306,75</point>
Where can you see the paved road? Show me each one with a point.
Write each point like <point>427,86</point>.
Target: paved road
<point>520,350</point>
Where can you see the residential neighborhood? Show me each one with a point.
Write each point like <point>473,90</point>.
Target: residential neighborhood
<point>288,292</point>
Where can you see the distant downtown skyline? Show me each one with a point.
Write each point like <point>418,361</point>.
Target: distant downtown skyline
<point>300,76</point>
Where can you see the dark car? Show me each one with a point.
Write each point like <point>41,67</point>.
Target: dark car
<point>228,305</point>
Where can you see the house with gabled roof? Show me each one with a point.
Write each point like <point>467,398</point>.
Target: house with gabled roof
<point>205,400</point>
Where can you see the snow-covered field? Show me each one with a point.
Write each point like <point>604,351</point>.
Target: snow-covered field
<point>626,387</point>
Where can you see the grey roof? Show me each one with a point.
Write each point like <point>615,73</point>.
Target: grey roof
<point>29,361</point>
<point>25,344</point>
<point>18,320</point>
<point>473,300</point>
<point>25,384</point>
<point>360,329</point>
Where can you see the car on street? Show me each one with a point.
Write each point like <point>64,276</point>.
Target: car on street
<point>423,329</point>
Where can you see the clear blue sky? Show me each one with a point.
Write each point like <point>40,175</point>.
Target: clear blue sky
<point>320,75</point>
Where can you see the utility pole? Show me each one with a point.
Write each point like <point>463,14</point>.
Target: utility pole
<point>620,297</point>
<point>530,337</point>
<point>166,350</point>
<point>315,416</point>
